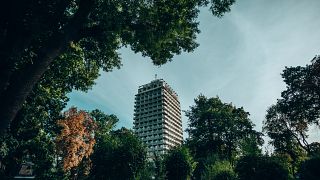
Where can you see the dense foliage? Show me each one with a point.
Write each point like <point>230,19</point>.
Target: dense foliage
<point>35,126</point>
<point>119,155</point>
<point>39,32</point>
<point>257,167</point>
<point>218,169</point>
<point>217,127</point>
<point>76,140</point>
<point>179,164</point>
<point>289,120</point>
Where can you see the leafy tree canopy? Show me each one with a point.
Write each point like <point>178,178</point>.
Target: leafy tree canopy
<point>105,123</point>
<point>76,140</point>
<point>179,164</point>
<point>301,99</point>
<point>35,125</point>
<point>34,34</point>
<point>257,167</point>
<point>118,156</point>
<point>217,127</point>
<point>288,121</point>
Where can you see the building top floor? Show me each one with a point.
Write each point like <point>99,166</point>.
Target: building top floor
<point>157,84</point>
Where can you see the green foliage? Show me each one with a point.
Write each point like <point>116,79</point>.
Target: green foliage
<point>257,167</point>
<point>147,173</point>
<point>249,146</point>
<point>314,149</point>
<point>118,156</point>
<point>288,121</point>
<point>225,175</point>
<point>217,127</point>
<point>302,96</point>
<point>105,123</point>
<point>159,167</point>
<point>284,134</point>
<point>34,128</point>
<point>309,170</point>
<point>39,32</point>
<point>219,170</point>
<point>179,164</point>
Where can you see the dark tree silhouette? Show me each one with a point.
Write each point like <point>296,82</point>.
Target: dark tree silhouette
<point>34,33</point>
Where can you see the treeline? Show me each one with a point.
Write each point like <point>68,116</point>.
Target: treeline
<point>222,141</point>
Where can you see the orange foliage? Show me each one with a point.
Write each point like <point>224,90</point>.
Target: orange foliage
<point>76,139</point>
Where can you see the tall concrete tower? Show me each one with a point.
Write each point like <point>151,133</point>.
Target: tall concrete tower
<point>157,117</point>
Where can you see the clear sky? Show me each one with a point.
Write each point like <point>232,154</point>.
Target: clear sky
<point>239,59</point>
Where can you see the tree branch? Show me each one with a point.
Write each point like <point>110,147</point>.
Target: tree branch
<point>23,80</point>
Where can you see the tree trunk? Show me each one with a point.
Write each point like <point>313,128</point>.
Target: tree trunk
<point>22,81</point>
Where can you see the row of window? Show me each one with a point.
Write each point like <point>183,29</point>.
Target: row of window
<point>154,107</point>
<point>147,112</point>
<point>148,116</point>
<point>147,121</point>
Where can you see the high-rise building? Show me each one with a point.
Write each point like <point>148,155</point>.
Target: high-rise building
<point>157,117</point>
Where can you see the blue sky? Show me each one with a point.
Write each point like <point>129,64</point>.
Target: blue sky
<point>239,59</point>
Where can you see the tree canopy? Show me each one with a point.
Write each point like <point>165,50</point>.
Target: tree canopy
<point>257,167</point>
<point>34,34</point>
<point>76,140</point>
<point>121,155</point>
<point>179,164</point>
<point>217,127</point>
<point>301,99</point>
<point>35,126</point>
<point>288,121</point>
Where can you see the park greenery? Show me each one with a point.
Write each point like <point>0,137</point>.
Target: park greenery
<point>222,143</point>
<point>50,48</point>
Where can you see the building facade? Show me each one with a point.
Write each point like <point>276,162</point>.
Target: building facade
<point>157,117</point>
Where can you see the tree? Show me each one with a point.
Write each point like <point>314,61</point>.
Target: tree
<point>287,122</point>
<point>76,141</point>
<point>105,123</point>
<point>179,164</point>
<point>286,136</point>
<point>35,126</point>
<point>257,167</point>
<point>118,156</point>
<point>39,32</point>
<point>250,146</point>
<point>217,127</point>
<point>301,99</point>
